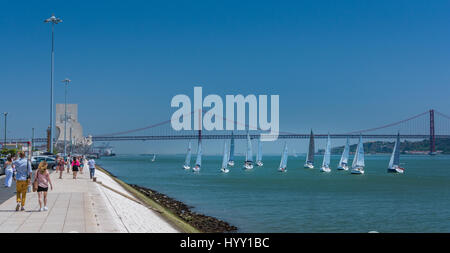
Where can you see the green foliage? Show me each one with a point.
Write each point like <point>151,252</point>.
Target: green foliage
<point>6,151</point>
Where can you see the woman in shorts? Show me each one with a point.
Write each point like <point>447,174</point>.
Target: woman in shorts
<point>75,166</point>
<point>60,166</point>
<point>43,180</point>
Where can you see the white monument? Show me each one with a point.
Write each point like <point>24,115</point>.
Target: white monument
<point>72,123</point>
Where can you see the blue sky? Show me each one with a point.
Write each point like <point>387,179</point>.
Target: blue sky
<point>338,66</point>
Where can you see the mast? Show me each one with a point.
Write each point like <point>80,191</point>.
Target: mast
<point>360,160</point>
<point>225,158</point>
<point>188,155</point>
<point>199,153</point>
<point>310,155</point>
<point>259,153</point>
<point>249,154</point>
<point>284,155</point>
<point>326,156</point>
<point>395,157</point>
<point>345,153</point>
<point>231,158</point>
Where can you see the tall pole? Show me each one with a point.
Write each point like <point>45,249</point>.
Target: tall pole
<point>432,134</point>
<point>32,140</point>
<point>4,143</point>
<point>66,81</point>
<point>53,20</point>
<point>71,144</point>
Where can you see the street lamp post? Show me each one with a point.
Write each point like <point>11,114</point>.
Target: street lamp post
<point>53,20</point>
<point>4,143</point>
<point>66,81</point>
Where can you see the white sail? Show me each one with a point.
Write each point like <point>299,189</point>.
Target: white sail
<point>154,157</point>
<point>358,160</point>
<point>327,155</point>
<point>284,157</point>
<point>231,158</point>
<point>345,153</point>
<point>198,162</point>
<point>187,161</point>
<point>311,149</point>
<point>225,156</point>
<point>249,153</point>
<point>395,157</point>
<point>259,151</point>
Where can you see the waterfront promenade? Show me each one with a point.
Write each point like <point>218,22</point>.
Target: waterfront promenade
<point>80,206</point>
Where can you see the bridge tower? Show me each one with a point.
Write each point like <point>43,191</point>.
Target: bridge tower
<point>432,135</point>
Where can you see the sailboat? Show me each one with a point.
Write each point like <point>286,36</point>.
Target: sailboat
<point>326,157</point>
<point>225,159</point>
<point>198,162</point>
<point>309,163</point>
<point>358,160</point>
<point>343,163</point>
<point>187,161</point>
<point>154,157</point>
<point>394,163</point>
<point>231,158</point>
<point>259,154</point>
<point>248,164</point>
<point>284,157</point>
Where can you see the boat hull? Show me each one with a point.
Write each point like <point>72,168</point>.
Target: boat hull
<point>196,168</point>
<point>325,169</point>
<point>395,170</point>
<point>342,168</point>
<point>223,170</point>
<point>282,169</point>
<point>308,166</point>
<point>259,163</point>
<point>230,163</point>
<point>357,171</point>
<point>186,167</point>
<point>248,166</point>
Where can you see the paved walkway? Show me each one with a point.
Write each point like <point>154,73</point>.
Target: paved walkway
<point>79,206</point>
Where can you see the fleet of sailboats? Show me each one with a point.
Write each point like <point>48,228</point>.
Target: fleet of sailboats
<point>284,157</point>
<point>248,164</point>
<point>394,162</point>
<point>357,166</point>
<point>343,163</point>
<point>326,157</point>
<point>358,160</point>
<point>309,163</point>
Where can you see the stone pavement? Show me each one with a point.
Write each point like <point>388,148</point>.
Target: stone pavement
<point>79,206</point>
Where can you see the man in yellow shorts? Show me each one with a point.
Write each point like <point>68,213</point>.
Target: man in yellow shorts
<point>23,179</point>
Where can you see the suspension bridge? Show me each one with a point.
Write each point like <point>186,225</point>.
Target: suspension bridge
<point>429,125</point>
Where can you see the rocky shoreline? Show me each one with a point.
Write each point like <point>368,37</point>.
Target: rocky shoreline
<point>202,222</point>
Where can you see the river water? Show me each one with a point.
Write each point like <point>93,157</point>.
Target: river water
<point>303,200</point>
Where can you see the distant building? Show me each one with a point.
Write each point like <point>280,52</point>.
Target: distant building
<point>72,123</point>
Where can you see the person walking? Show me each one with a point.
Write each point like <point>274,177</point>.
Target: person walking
<point>22,178</point>
<point>85,163</point>
<point>9,171</point>
<point>75,166</point>
<point>80,158</point>
<point>68,163</point>
<point>60,166</point>
<point>42,180</point>
<point>91,164</point>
